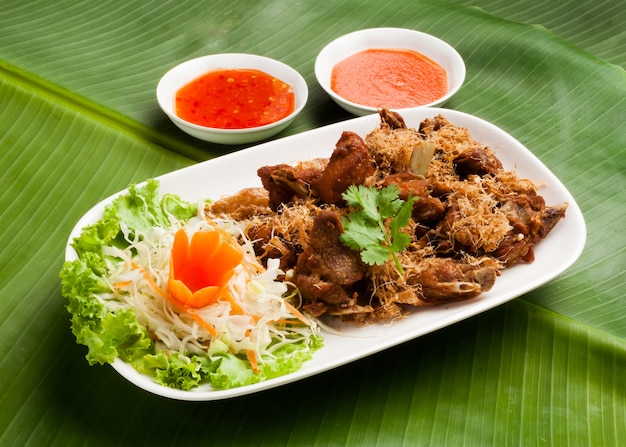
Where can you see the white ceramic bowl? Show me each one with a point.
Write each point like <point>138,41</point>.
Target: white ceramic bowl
<point>399,38</point>
<point>186,72</point>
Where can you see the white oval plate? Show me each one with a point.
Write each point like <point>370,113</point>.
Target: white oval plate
<point>230,173</point>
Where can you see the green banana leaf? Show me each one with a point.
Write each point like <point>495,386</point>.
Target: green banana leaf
<point>79,121</point>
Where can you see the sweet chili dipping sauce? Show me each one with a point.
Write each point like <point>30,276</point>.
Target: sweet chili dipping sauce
<point>235,99</point>
<point>390,78</point>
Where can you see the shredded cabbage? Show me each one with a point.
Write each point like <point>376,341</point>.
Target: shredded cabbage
<point>117,295</point>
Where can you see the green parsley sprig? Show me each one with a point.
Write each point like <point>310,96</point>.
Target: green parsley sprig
<point>365,227</point>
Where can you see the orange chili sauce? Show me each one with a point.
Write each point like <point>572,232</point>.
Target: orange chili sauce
<point>235,99</point>
<point>391,78</point>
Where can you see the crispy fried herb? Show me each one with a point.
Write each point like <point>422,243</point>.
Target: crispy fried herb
<point>375,225</point>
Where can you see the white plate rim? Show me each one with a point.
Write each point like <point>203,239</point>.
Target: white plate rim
<point>215,178</point>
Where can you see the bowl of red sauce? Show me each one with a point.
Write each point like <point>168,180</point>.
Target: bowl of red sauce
<point>393,68</point>
<point>232,98</point>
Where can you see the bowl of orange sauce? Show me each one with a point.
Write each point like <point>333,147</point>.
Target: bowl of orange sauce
<point>232,98</point>
<point>393,68</point>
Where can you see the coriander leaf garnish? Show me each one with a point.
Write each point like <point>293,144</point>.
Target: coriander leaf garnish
<point>365,229</point>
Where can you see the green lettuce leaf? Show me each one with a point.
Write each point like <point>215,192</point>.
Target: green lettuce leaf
<point>141,209</point>
<point>175,370</point>
<point>108,335</point>
<point>225,370</point>
<point>233,371</point>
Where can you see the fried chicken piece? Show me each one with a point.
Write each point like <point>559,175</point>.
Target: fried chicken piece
<point>349,164</point>
<point>432,280</point>
<point>448,280</point>
<point>269,244</point>
<point>426,209</point>
<point>282,235</point>
<point>392,119</point>
<point>477,160</point>
<point>529,218</point>
<point>244,204</point>
<point>285,183</point>
<point>327,269</point>
<point>529,227</point>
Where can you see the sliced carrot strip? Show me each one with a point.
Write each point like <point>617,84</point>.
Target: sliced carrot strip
<point>235,308</point>
<point>252,359</point>
<point>202,322</point>
<point>297,313</point>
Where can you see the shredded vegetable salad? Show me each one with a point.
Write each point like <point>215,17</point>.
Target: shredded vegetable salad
<point>181,297</point>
